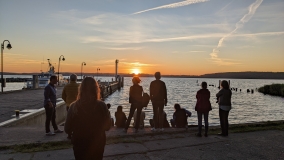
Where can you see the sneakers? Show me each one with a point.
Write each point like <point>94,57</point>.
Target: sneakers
<point>50,134</point>
<point>58,131</point>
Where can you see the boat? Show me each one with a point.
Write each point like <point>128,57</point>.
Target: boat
<point>43,78</point>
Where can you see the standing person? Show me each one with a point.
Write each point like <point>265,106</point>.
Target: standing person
<point>49,106</point>
<point>88,119</point>
<point>224,101</point>
<point>203,106</point>
<point>158,95</point>
<point>120,118</point>
<point>135,98</point>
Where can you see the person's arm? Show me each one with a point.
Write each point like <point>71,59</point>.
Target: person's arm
<point>69,121</point>
<point>188,113</point>
<point>150,90</point>
<point>107,121</point>
<point>174,116</point>
<point>64,94</point>
<point>219,94</point>
<point>47,91</point>
<point>165,94</point>
<point>130,97</point>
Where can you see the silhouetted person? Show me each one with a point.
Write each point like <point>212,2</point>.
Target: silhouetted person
<point>111,119</point>
<point>88,119</point>
<point>165,123</point>
<point>180,117</point>
<point>203,106</point>
<point>70,93</point>
<point>224,96</point>
<point>49,106</point>
<point>142,118</point>
<point>120,118</point>
<point>135,98</point>
<point>158,95</point>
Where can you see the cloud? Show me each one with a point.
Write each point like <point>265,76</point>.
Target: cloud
<point>252,8</point>
<point>125,48</point>
<point>173,5</point>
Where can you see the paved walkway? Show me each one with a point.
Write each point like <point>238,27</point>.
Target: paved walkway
<point>20,100</point>
<point>253,145</point>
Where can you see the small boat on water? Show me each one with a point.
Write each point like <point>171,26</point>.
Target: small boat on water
<point>43,78</point>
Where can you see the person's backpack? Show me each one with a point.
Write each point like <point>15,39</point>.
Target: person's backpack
<point>145,99</point>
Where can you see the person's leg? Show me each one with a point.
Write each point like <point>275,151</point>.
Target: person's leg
<point>172,123</point>
<point>156,117</point>
<point>139,109</point>
<point>206,122</point>
<point>161,115</point>
<point>48,114</point>
<point>53,119</point>
<point>226,122</point>
<point>132,110</point>
<point>221,116</point>
<point>199,116</point>
<point>151,121</point>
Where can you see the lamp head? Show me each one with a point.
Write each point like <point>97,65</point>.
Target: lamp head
<point>9,46</point>
<point>63,59</point>
<point>84,64</point>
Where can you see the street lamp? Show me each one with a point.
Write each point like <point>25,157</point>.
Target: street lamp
<point>98,73</point>
<point>9,46</point>
<point>63,59</point>
<point>83,63</point>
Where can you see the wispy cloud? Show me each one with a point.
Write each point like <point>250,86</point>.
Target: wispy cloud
<point>124,48</point>
<point>173,5</point>
<point>252,8</point>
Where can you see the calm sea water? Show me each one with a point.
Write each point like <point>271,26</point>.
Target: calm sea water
<point>246,107</point>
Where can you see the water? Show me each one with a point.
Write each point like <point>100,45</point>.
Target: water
<point>246,107</point>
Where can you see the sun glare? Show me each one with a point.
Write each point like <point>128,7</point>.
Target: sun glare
<point>136,71</point>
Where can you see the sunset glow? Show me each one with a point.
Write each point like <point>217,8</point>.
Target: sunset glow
<point>136,71</point>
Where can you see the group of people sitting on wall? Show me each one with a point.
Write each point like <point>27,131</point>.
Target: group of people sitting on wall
<point>84,107</point>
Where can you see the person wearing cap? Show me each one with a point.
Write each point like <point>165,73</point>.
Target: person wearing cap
<point>135,98</point>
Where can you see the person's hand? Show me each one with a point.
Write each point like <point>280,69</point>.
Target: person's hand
<point>50,104</point>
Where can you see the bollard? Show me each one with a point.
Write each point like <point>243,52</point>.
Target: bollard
<point>17,113</point>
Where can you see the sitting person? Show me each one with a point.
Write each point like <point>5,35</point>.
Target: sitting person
<point>142,118</point>
<point>180,117</point>
<point>120,118</point>
<point>111,119</point>
<point>165,123</point>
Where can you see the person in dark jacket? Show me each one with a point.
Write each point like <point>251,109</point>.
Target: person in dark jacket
<point>224,101</point>
<point>158,96</point>
<point>203,106</point>
<point>180,117</point>
<point>135,98</point>
<point>87,120</point>
<point>120,118</point>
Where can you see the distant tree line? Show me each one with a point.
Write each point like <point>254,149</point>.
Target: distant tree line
<point>273,89</point>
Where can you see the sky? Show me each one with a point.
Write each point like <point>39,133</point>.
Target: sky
<point>175,37</point>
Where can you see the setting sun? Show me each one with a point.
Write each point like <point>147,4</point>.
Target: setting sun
<point>136,71</point>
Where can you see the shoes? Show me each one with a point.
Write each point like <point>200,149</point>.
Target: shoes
<point>206,135</point>
<point>198,134</point>
<point>58,131</point>
<point>50,134</point>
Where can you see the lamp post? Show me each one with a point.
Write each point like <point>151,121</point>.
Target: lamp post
<point>98,69</point>
<point>63,59</point>
<point>83,63</point>
<point>9,46</point>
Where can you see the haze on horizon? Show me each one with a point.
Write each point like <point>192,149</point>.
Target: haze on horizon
<point>176,37</point>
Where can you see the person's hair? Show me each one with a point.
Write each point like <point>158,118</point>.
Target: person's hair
<point>136,80</point>
<point>89,90</point>
<point>225,84</point>
<point>52,77</point>
<point>119,109</point>
<point>158,75</point>
<point>108,106</point>
<point>204,85</point>
<point>177,106</point>
<point>73,77</point>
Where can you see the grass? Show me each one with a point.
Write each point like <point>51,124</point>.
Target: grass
<point>38,147</point>
<point>273,89</point>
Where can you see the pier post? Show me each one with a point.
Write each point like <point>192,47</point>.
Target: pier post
<point>119,83</point>
<point>35,81</point>
<point>122,81</point>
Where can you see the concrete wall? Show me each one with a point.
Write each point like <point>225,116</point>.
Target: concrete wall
<point>37,118</point>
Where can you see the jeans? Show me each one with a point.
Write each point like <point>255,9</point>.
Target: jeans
<point>50,113</point>
<point>223,115</point>
<point>199,115</point>
<point>132,110</point>
<point>158,109</point>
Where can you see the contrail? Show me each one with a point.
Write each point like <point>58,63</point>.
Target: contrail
<point>252,8</point>
<point>173,5</point>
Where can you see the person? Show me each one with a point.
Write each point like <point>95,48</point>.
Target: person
<point>165,123</point>
<point>158,96</point>
<point>70,92</point>
<point>120,118</point>
<point>203,106</point>
<point>142,118</point>
<point>135,98</point>
<point>49,106</point>
<point>224,101</point>
<point>87,120</point>
<point>111,119</point>
<point>180,117</point>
